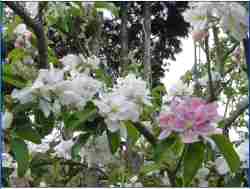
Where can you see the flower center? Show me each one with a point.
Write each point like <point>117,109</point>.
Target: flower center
<point>189,124</point>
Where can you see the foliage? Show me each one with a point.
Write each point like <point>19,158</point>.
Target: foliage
<point>85,120</point>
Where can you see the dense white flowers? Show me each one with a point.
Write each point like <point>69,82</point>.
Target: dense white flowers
<point>78,91</point>
<point>54,89</point>
<point>116,108</point>
<point>232,18</point>
<point>134,89</point>
<point>123,102</point>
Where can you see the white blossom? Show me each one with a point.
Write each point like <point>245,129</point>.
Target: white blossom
<point>8,161</point>
<point>133,88</point>
<point>20,29</point>
<point>7,119</point>
<point>45,144</point>
<point>221,166</point>
<point>180,89</point>
<point>115,108</point>
<point>38,148</point>
<point>243,151</point>
<point>232,17</point>
<point>79,91</point>
<point>63,149</point>
<point>24,95</point>
<point>70,61</point>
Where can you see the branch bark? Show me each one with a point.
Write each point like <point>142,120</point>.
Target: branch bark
<point>240,108</point>
<point>218,57</point>
<point>210,82</point>
<point>124,34</point>
<point>37,26</point>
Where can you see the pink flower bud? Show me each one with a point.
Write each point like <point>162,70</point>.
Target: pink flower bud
<point>19,43</point>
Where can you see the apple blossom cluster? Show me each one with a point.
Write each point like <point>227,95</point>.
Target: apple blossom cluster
<point>123,102</point>
<point>190,118</point>
<point>232,18</point>
<point>56,87</point>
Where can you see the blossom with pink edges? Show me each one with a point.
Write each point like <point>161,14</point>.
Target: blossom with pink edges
<point>190,117</point>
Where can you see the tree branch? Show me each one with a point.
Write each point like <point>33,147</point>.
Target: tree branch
<point>147,42</point>
<point>146,133</point>
<point>219,61</point>
<point>240,108</point>
<point>210,82</point>
<point>37,26</point>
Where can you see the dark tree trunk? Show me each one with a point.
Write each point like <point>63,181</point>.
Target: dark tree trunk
<point>147,34</point>
<point>124,34</point>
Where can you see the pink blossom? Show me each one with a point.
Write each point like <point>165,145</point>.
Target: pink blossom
<point>190,117</point>
<point>28,35</point>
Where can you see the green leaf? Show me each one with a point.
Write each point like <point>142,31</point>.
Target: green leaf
<point>83,116</point>
<point>13,80</point>
<point>43,125</point>
<point>163,147</point>
<point>227,149</point>
<point>149,168</point>
<point>82,139</point>
<point>26,132</point>
<point>133,133</point>
<point>52,56</point>
<point>102,76</point>
<point>17,54</point>
<point>101,6</point>
<point>114,141</point>
<point>11,26</point>
<point>21,154</point>
<point>193,159</point>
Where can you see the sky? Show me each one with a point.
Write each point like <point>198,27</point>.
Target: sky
<point>184,62</point>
